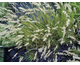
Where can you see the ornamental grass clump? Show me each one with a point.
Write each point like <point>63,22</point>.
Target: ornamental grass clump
<point>50,27</point>
<point>9,27</point>
<point>43,28</point>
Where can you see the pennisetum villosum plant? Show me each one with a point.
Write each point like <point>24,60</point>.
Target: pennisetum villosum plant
<point>41,27</point>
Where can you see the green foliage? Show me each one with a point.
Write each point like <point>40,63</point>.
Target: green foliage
<point>9,28</point>
<point>75,51</point>
<point>1,54</point>
<point>29,56</point>
<point>4,4</point>
<point>45,27</point>
<point>48,27</point>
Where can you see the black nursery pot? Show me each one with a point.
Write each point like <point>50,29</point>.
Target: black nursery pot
<point>8,56</point>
